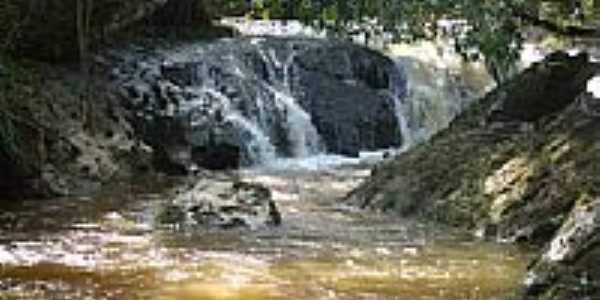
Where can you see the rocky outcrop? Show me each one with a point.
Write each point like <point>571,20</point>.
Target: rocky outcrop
<point>47,150</point>
<point>344,90</point>
<point>266,97</point>
<point>220,201</point>
<point>520,165</point>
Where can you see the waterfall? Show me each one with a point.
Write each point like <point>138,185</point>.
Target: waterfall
<point>257,146</point>
<point>433,96</point>
<point>273,98</point>
<point>260,101</point>
<point>402,109</point>
<point>301,132</point>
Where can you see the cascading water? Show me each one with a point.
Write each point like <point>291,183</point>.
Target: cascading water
<point>258,147</point>
<point>234,92</point>
<point>275,98</point>
<point>437,85</point>
<point>401,105</point>
<point>302,134</point>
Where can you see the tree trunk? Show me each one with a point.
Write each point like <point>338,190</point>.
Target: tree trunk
<point>84,18</point>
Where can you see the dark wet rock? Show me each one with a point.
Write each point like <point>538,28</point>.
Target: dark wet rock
<point>515,167</point>
<point>265,97</point>
<point>550,89</point>
<point>217,157</point>
<point>222,203</point>
<point>345,63</point>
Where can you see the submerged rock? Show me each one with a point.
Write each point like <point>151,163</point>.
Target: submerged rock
<point>222,203</point>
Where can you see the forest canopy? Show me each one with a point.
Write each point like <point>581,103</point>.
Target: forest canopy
<point>489,28</point>
<point>493,28</point>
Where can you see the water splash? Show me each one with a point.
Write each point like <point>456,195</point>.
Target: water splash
<point>257,145</point>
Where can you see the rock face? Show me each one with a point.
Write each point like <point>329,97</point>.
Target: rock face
<point>344,90</point>
<point>521,165</point>
<point>221,202</point>
<point>266,97</point>
<point>52,152</point>
<point>569,266</point>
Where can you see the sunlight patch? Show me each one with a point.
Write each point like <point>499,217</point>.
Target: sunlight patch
<point>593,86</point>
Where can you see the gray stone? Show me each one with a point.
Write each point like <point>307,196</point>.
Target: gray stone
<point>570,260</point>
<point>223,203</point>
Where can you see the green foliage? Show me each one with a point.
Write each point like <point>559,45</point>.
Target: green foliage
<point>11,21</point>
<point>494,26</point>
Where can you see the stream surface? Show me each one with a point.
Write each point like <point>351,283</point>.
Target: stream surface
<point>109,248</point>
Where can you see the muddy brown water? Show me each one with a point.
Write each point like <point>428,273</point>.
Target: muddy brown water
<point>109,248</point>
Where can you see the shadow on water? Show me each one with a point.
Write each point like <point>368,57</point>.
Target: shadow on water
<point>109,248</point>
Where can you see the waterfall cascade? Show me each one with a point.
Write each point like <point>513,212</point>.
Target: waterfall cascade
<point>261,99</point>
<point>437,85</point>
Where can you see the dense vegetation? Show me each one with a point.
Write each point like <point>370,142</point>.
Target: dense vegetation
<point>493,29</point>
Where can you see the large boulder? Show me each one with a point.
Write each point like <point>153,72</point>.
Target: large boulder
<point>219,201</point>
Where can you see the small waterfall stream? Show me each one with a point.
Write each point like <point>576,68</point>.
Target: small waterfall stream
<point>258,147</point>
<point>302,134</point>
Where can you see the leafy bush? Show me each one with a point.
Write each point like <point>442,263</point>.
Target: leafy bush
<point>11,21</point>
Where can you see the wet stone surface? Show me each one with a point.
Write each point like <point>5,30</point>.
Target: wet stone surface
<point>224,202</point>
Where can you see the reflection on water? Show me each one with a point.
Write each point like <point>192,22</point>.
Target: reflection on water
<point>109,248</point>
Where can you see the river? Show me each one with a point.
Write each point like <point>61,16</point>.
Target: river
<point>108,247</point>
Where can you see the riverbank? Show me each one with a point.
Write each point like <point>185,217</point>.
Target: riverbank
<point>521,166</point>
